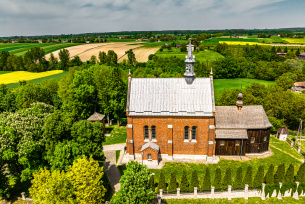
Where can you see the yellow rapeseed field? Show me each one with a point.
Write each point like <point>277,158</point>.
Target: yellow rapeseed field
<point>295,40</point>
<point>241,43</point>
<point>15,77</point>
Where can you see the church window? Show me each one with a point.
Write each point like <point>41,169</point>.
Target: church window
<point>186,132</point>
<point>252,139</point>
<point>146,133</point>
<point>194,133</point>
<point>153,132</point>
<point>222,143</point>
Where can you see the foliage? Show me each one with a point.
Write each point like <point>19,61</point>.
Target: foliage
<point>301,174</point>
<point>269,177</point>
<point>135,185</point>
<point>173,185</point>
<point>152,182</point>
<point>64,57</point>
<point>227,180</point>
<point>207,180</point>
<point>162,184</point>
<point>82,183</point>
<point>289,176</point>
<point>4,187</point>
<point>217,179</point>
<point>259,177</point>
<point>238,178</point>
<point>248,176</point>
<point>194,181</point>
<point>280,174</point>
<point>131,57</point>
<point>184,184</point>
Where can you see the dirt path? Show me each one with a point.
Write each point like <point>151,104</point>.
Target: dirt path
<point>301,160</point>
<point>112,171</point>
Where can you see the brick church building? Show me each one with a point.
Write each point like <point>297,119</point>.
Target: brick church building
<point>175,118</point>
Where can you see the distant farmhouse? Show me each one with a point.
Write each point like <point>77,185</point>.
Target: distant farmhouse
<point>282,54</point>
<point>176,119</point>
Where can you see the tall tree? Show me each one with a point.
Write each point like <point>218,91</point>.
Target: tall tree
<point>248,176</point>
<point>227,180</point>
<point>162,184</point>
<point>184,184</point>
<point>238,178</point>
<point>172,183</point>
<point>194,181</point>
<point>269,177</point>
<point>217,179</point>
<point>289,176</point>
<point>207,180</point>
<point>102,57</point>
<point>3,60</point>
<point>259,177</point>
<point>64,57</point>
<point>301,174</point>
<point>280,174</point>
<point>112,58</point>
<point>131,57</point>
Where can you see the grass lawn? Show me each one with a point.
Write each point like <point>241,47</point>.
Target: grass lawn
<point>117,155</point>
<point>221,84</point>
<point>201,55</point>
<point>56,76</point>
<point>234,200</point>
<point>117,135</point>
<point>5,72</point>
<point>276,159</point>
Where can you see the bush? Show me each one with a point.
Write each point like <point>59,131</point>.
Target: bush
<point>248,176</point>
<point>301,174</point>
<point>259,177</point>
<point>238,178</point>
<point>152,182</point>
<point>207,180</point>
<point>184,184</point>
<point>269,177</point>
<point>289,176</point>
<point>280,173</point>
<point>173,183</point>
<point>194,181</point>
<point>227,180</point>
<point>162,184</point>
<point>217,179</point>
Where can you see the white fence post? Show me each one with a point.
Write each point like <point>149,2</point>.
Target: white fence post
<point>229,192</point>
<point>195,192</point>
<point>161,193</point>
<point>279,196</point>
<point>296,194</point>
<point>246,191</point>
<point>178,192</point>
<point>212,192</point>
<point>263,191</point>
<point>23,195</point>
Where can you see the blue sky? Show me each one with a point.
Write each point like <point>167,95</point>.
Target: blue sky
<point>38,17</point>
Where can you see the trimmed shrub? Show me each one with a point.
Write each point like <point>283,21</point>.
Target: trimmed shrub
<point>152,182</point>
<point>280,173</point>
<point>289,177</point>
<point>227,179</point>
<point>194,181</point>
<point>173,183</point>
<point>207,181</point>
<point>184,184</point>
<point>259,177</point>
<point>301,174</point>
<point>248,176</point>
<point>269,177</point>
<point>238,178</point>
<point>162,184</point>
<point>217,179</point>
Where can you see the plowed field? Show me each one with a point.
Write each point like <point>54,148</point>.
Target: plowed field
<point>142,53</point>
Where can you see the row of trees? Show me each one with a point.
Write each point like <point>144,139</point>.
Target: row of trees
<point>287,177</point>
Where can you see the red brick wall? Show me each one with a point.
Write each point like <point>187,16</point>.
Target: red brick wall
<point>163,134</point>
<point>154,154</point>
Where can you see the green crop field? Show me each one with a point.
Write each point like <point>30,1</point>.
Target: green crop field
<point>215,41</point>
<point>20,49</point>
<point>201,55</point>
<point>56,76</point>
<point>221,84</point>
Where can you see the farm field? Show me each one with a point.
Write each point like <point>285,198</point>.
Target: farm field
<point>85,51</point>
<point>15,77</point>
<point>221,84</point>
<point>241,43</point>
<point>295,40</point>
<point>142,53</point>
<point>201,55</point>
<point>277,158</point>
<point>20,49</point>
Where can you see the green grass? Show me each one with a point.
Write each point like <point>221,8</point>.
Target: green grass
<point>221,84</point>
<point>200,56</point>
<point>117,135</point>
<point>117,155</point>
<point>235,200</point>
<point>56,76</point>
<point>279,157</point>
<point>215,41</point>
<point>5,72</point>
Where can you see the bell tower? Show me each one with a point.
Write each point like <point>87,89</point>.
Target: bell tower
<point>189,65</point>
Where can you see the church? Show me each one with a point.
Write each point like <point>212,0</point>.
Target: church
<point>176,119</point>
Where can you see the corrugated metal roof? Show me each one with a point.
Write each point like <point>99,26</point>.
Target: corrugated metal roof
<point>150,144</point>
<point>170,97</point>
<point>250,117</point>
<point>231,134</point>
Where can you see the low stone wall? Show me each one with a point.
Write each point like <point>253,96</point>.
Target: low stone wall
<point>229,194</point>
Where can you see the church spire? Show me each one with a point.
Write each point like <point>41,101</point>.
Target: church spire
<point>189,64</point>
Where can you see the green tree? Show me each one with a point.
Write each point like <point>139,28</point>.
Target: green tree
<point>286,81</point>
<point>53,62</point>
<point>280,173</point>
<point>131,57</point>
<point>269,177</point>
<point>238,178</point>
<point>152,181</point>
<point>289,176</point>
<point>102,57</point>
<point>112,58</point>
<point>135,185</point>
<point>34,59</point>
<point>297,53</point>
<point>227,180</point>
<point>3,60</point>
<point>194,181</point>
<point>93,59</point>
<point>64,57</point>
<point>76,61</point>
<point>207,180</point>
<point>4,187</point>
<point>301,174</point>
<point>184,184</point>
<point>248,176</point>
<point>172,183</point>
<point>217,179</point>
<point>162,184</point>
<point>259,177</point>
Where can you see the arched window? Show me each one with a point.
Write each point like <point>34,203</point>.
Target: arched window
<point>153,132</point>
<point>194,132</point>
<point>186,132</point>
<point>146,133</point>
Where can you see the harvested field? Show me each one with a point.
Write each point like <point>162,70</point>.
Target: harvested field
<point>142,53</point>
<point>86,51</point>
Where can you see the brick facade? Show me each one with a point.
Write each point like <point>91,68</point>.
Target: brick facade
<point>170,134</point>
